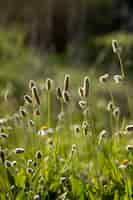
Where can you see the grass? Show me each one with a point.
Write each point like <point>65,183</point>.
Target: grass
<point>69,143</point>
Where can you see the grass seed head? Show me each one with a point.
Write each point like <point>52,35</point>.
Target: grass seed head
<point>29,170</point>
<point>22,112</point>
<point>2,156</point>
<point>7,164</point>
<point>38,155</point>
<point>14,163</point>
<point>48,84</point>
<point>115,46</point>
<point>35,95</point>
<point>116,112</point>
<point>37,197</point>
<point>117,78</point>
<point>19,150</point>
<point>86,87</point>
<point>27,99</point>
<point>129,128</point>
<point>81,92</point>
<point>37,112</point>
<point>129,148</point>
<point>32,83</point>
<point>110,106</point>
<point>59,93</point>
<point>104,78</point>
<point>66,96</point>
<point>82,104</point>
<point>4,135</point>
<point>66,82</point>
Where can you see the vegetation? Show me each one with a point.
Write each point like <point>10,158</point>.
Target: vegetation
<point>69,140</point>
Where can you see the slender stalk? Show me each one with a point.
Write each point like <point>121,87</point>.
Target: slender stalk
<point>49,109</point>
<point>121,65</point>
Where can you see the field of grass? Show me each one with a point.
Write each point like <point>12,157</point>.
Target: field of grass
<point>70,138</point>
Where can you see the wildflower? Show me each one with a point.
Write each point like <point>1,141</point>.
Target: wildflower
<point>38,155</point>
<point>82,104</point>
<point>129,128</point>
<point>104,78</point>
<point>66,82</point>
<point>28,99</point>
<point>81,91</point>
<point>115,46</point>
<point>48,84</point>
<point>7,163</point>
<point>117,78</point>
<point>86,87</point>
<point>44,130</point>
<point>35,94</point>
<point>19,150</point>
<point>129,148</point>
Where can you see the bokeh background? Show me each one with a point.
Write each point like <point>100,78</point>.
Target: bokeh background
<point>48,38</point>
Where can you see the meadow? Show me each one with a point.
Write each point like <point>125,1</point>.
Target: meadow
<point>68,138</point>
